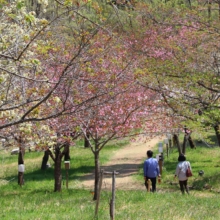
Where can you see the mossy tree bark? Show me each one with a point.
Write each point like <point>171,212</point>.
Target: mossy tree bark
<point>45,160</point>
<point>57,158</point>
<point>217,132</point>
<point>97,171</point>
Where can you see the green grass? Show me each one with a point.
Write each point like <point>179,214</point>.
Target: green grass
<point>201,158</point>
<point>36,199</point>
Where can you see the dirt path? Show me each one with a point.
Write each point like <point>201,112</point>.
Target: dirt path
<point>126,161</point>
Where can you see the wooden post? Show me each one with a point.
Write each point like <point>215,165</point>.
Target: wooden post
<point>113,195</point>
<point>112,201</point>
<point>166,142</point>
<point>170,143</point>
<point>167,147</point>
<point>99,192</point>
<point>111,209</point>
<point>160,164</point>
<point>169,137</point>
<point>67,167</point>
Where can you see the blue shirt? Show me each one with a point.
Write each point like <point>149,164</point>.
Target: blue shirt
<point>151,168</point>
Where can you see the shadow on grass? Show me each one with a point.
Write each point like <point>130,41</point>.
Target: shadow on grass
<point>210,142</point>
<point>206,182</point>
<point>48,174</point>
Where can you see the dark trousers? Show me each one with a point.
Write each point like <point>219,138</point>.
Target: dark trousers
<point>153,182</point>
<point>183,186</point>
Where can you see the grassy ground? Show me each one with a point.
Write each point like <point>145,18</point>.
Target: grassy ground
<point>36,199</point>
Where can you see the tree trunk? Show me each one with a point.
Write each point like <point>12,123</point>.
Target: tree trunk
<point>209,9</point>
<point>187,137</point>
<point>57,169</point>
<point>176,139</point>
<point>191,143</point>
<point>184,144</point>
<point>38,10</point>
<point>86,141</point>
<point>21,161</point>
<point>189,3</point>
<point>218,10</point>
<point>217,132</point>
<point>45,160</point>
<point>67,152</point>
<point>97,171</point>
<point>173,141</point>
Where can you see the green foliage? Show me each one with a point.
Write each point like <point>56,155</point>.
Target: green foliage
<point>2,3</point>
<point>67,3</point>
<point>20,4</point>
<point>29,18</point>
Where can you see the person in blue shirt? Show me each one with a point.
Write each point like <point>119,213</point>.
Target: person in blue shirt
<point>151,170</point>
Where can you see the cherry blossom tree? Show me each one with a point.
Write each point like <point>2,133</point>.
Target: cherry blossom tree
<point>182,63</point>
<point>79,73</point>
<point>41,69</point>
<point>122,107</point>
